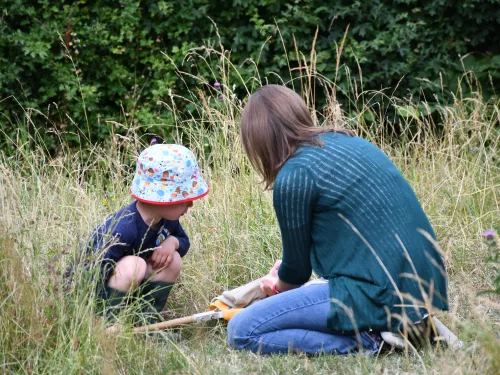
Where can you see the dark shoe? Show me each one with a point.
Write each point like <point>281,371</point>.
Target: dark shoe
<point>155,295</point>
<point>421,334</point>
<point>113,301</point>
<point>429,331</point>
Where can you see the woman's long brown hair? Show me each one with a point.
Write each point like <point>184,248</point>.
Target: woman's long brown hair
<point>274,121</point>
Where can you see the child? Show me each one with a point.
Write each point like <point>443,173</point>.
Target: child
<point>143,243</point>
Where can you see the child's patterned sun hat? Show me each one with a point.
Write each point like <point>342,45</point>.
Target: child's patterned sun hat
<point>167,174</point>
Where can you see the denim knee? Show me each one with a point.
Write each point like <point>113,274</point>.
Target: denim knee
<point>237,334</point>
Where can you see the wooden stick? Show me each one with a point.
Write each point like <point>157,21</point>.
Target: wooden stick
<point>167,324</point>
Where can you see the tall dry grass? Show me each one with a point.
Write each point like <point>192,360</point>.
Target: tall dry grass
<point>49,205</point>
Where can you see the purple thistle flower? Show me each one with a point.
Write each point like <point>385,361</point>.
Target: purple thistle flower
<point>489,233</point>
<point>153,141</point>
<point>216,84</point>
<point>474,149</point>
<point>221,97</point>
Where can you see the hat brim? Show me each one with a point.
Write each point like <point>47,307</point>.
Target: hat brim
<point>170,203</point>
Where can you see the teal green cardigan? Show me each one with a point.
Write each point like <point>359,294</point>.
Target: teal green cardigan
<point>346,212</point>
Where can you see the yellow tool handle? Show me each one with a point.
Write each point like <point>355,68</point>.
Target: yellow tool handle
<point>228,314</point>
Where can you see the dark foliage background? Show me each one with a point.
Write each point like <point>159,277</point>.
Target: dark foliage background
<point>77,65</point>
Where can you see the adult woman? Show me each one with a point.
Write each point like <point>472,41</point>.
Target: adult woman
<point>347,213</point>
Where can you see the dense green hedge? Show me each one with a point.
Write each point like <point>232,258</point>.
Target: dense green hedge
<point>116,49</point>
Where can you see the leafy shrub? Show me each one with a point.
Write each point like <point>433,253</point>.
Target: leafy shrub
<point>86,65</point>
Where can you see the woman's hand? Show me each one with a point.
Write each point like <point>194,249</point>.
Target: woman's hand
<point>269,281</point>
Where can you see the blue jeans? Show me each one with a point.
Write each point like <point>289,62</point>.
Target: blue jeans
<point>293,321</point>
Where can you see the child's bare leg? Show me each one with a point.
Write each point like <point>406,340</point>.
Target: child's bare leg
<point>168,274</point>
<point>129,273</point>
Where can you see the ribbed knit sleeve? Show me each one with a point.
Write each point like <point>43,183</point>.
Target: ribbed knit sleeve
<point>293,199</point>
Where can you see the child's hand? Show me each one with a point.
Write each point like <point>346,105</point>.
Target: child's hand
<point>163,254</point>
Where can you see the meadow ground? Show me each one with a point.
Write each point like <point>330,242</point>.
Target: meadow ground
<point>49,205</point>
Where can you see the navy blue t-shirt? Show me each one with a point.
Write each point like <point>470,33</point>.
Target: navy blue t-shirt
<point>125,233</point>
